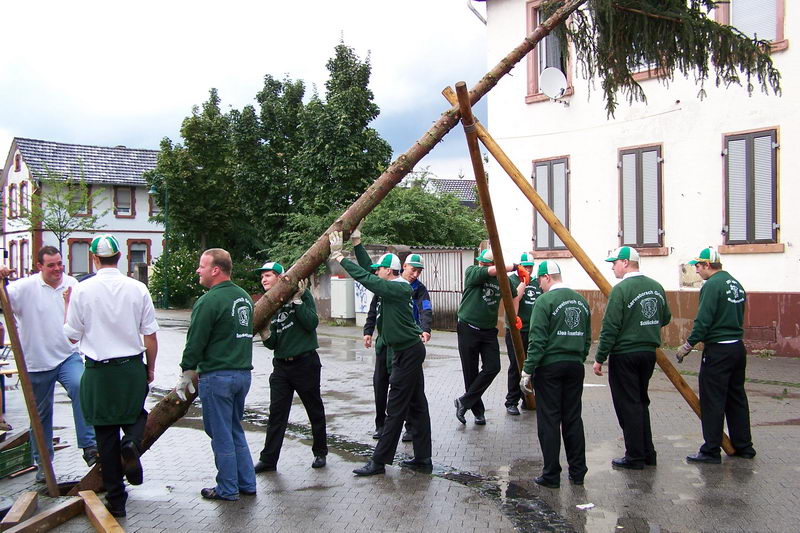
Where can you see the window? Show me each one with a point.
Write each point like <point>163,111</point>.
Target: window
<point>24,250</point>
<point>138,252</point>
<point>751,188</point>
<point>546,54</point>
<point>154,207</point>
<point>763,19</point>
<point>550,179</point>
<point>124,202</point>
<point>12,256</point>
<point>18,163</point>
<point>13,201</point>
<point>23,198</point>
<point>640,197</point>
<point>79,262</point>
<point>80,198</point>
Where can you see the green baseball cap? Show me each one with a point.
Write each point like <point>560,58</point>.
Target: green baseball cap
<point>415,260</point>
<point>548,268</point>
<point>623,252</point>
<point>526,259</point>
<point>105,245</point>
<point>388,261</point>
<point>706,255</point>
<point>271,265</point>
<point>485,256</point>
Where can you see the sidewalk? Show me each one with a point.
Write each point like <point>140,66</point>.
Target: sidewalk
<point>483,474</point>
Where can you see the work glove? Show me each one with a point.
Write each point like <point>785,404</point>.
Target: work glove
<point>524,275</point>
<point>297,299</point>
<point>683,351</point>
<point>335,238</point>
<point>355,236</point>
<point>185,384</point>
<point>518,323</point>
<point>525,382</point>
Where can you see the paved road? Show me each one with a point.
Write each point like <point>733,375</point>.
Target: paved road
<point>483,475</point>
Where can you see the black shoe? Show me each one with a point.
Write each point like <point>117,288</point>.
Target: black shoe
<point>624,462</point>
<point>261,466</point>
<point>651,461</point>
<point>480,420</point>
<point>701,457</point>
<point>116,512</point>
<point>407,437</point>
<point>247,492</point>
<point>418,463</point>
<point>131,464</point>
<point>90,455</point>
<point>319,461</point>
<point>575,480</point>
<point>745,454</point>
<point>370,469</point>
<point>211,494</point>
<point>512,410</point>
<point>377,433</point>
<point>460,411</point>
<point>544,483</point>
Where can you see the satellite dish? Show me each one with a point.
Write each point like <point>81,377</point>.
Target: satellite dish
<point>553,83</point>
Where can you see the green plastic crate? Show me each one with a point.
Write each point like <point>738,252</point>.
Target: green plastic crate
<point>16,459</point>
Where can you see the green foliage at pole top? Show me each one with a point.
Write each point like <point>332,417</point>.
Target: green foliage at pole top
<point>613,39</point>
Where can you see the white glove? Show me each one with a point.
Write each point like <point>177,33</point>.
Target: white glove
<point>525,383</point>
<point>335,238</point>
<point>297,299</point>
<point>355,237</point>
<point>185,384</point>
<point>683,351</point>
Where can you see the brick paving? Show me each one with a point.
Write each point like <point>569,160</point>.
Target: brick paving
<point>483,475</point>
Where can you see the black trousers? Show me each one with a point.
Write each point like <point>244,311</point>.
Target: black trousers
<point>380,388</point>
<point>108,449</point>
<point>301,375</point>
<point>406,401</point>
<point>559,388</point>
<point>514,392</point>
<point>476,345</point>
<point>629,376</point>
<point>722,396</point>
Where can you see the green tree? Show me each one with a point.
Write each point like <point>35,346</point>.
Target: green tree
<point>61,205</point>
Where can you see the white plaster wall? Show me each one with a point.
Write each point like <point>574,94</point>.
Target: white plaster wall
<point>690,132</point>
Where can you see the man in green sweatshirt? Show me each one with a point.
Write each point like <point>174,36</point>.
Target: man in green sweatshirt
<point>403,337</point>
<point>292,335</point>
<point>477,334</point>
<point>526,297</point>
<point>560,336</point>
<point>636,311</point>
<point>219,347</point>
<point>719,326</point>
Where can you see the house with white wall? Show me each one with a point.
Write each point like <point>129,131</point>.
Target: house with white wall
<point>669,176</point>
<point>114,178</point>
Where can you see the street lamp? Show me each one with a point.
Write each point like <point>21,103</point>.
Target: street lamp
<point>165,295</point>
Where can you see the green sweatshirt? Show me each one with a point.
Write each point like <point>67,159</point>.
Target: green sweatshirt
<point>561,329</point>
<point>396,321</point>
<point>720,315</point>
<point>481,298</point>
<point>293,328</point>
<point>220,335</point>
<point>637,310</point>
<point>532,291</point>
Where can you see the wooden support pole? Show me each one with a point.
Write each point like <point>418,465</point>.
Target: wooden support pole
<point>566,237</point>
<point>23,508</point>
<point>98,515</point>
<point>45,461</point>
<point>50,518</point>
<point>468,121</point>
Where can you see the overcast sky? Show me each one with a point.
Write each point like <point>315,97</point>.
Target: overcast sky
<point>109,73</point>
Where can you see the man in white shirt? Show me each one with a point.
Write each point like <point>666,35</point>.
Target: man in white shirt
<point>113,319</point>
<point>38,305</point>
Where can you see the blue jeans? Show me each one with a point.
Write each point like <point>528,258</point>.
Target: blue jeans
<point>68,373</point>
<point>222,393</point>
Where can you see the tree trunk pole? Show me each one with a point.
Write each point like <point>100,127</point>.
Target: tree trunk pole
<point>45,461</point>
<point>468,121</point>
<point>566,237</point>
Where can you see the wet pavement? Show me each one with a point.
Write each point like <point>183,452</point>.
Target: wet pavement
<point>482,475</point>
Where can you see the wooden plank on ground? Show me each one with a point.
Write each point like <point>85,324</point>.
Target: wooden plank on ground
<point>98,515</point>
<point>22,509</point>
<point>12,441</point>
<point>50,517</point>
